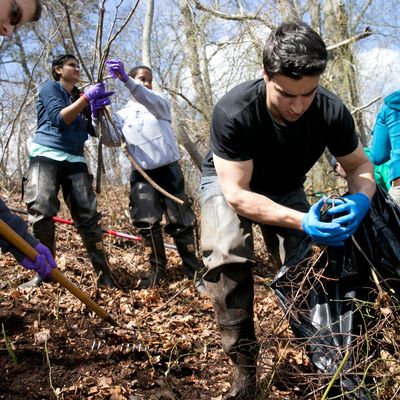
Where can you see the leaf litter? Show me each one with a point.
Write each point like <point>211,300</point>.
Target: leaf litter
<point>183,359</point>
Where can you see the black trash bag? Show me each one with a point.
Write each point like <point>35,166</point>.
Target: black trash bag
<point>316,289</point>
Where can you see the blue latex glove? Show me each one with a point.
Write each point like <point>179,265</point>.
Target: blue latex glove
<point>329,233</point>
<point>95,91</point>
<point>116,70</point>
<point>99,103</point>
<point>356,206</point>
<point>44,261</point>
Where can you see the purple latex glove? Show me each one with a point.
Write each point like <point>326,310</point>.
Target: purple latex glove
<point>95,91</point>
<point>44,261</point>
<point>99,103</point>
<point>116,70</point>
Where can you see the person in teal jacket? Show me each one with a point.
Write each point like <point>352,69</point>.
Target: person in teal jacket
<point>386,141</point>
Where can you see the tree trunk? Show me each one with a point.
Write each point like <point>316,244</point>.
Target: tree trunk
<point>179,127</point>
<point>203,98</point>
<point>314,8</point>
<point>148,21</point>
<point>288,10</point>
<point>342,76</point>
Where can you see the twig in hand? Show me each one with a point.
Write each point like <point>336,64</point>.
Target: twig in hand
<point>134,163</point>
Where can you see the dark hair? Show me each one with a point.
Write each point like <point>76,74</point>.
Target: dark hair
<point>294,50</point>
<point>59,61</point>
<point>134,71</point>
<point>38,11</point>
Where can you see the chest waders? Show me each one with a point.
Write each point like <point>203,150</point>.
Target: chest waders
<point>147,208</point>
<point>41,196</point>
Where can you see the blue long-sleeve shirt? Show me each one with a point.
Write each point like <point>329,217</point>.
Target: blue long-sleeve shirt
<point>52,131</point>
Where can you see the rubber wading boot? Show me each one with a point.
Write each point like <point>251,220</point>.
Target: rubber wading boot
<point>231,291</point>
<point>244,384</point>
<point>186,248</point>
<point>36,281</point>
<point>46,239</point>
<point>94,246</point>
<point>154,248</point>
<point>243,353</point>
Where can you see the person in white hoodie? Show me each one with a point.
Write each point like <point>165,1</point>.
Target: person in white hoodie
<point>144,124</point>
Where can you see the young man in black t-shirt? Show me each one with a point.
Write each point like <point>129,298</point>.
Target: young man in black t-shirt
<point>265,136</point>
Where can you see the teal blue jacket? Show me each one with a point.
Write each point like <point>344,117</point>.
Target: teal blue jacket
<point>381,172</point>
<point>386,136</point>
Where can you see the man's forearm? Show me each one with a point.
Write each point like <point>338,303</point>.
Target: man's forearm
<point>263,210</point>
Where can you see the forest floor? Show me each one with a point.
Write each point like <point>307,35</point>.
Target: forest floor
<point>47,334</point>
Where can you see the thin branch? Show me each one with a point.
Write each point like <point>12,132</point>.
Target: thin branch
<point>110,40</point>
<point>360,15</point>
<point>365,105</point>
<point>253,16</point>
<point>88,74</point>
<point>102,59</point>
<point>169,90</point>
<point>367,32</point>
<point>99,40</point>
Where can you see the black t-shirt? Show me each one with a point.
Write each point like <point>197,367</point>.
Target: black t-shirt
<point>243,129</point>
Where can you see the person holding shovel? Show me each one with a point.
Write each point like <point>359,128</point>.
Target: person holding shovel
<point>57,160</point>
<point>144,124</point>
<point>12,16</point>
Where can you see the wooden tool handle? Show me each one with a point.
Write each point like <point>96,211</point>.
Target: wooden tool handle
<point>24,247</point>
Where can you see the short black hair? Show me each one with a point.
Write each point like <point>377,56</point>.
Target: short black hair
<point>133,72</point>
<point>294,50</point>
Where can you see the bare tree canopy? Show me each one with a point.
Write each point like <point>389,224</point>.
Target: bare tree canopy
<point>198,50</point>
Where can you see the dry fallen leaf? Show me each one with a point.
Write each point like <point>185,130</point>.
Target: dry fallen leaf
<point>40,337</point>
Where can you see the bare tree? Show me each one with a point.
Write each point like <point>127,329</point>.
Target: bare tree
<point>198,50</point>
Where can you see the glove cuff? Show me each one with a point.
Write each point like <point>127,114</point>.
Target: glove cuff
<point>303,222</point>
<point>365,200</point>
<point>87,100</point>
